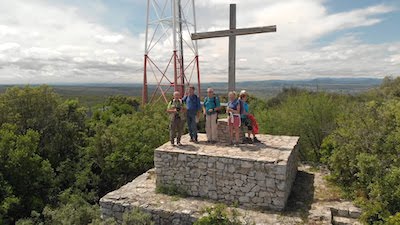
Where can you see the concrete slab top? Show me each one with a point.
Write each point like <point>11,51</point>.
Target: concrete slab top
<point>272,149</point>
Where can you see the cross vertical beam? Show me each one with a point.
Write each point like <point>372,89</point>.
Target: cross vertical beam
<point>232,33</point>
<point>232,49</point>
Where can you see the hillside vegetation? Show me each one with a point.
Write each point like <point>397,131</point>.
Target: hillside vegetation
<point>57,157</point>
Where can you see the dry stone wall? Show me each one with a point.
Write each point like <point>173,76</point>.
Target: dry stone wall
<point>223,131</point>
<point>251,182</point>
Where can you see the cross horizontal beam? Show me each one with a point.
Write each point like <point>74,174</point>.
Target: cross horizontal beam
<point>236,32</point>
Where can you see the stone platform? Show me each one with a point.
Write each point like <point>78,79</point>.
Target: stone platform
<point>252,175</point>
<point>172,210</point>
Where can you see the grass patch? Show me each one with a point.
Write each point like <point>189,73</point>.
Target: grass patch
<point>172,190</point>
<point>221,215</point>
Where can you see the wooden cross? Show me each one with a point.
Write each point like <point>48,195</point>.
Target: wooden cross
<point>232,33</point>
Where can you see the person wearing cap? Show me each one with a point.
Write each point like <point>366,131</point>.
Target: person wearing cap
<point>211,108</point>
<point>193,107</point>
<point>246,118</point>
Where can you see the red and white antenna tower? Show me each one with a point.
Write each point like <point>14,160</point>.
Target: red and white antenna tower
<point>169,24</point>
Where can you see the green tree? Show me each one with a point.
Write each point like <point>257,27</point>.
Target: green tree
<point>308,115</point>
<point>30,177</point>
<point>364,160</point>
<point>121,147</point>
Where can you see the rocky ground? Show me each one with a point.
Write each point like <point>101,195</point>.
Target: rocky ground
<point>312,201</point>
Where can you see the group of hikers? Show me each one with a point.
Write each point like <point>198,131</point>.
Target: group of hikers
<point>189,108</point>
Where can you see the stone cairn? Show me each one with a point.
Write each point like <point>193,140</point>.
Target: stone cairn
<point>223,131</point>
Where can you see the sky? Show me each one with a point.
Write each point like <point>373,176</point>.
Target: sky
<point>103,41</point>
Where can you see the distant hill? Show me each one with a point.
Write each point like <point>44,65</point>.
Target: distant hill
<point>269,88</point>
<point>92,93</point>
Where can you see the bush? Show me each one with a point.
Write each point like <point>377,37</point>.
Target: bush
<point>219,214</point>
<point>365,161</point>
<point>137,217</point>
<point>308,115</point>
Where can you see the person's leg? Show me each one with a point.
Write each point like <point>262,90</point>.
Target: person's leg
<point>255,140</point>
<point>189,121</point>
<point>230,132</point>
<point>209,127</point>
<point>179,126</point>
<point>214,127</point>
<point>194,126</point>
<point>172,131</point>
<point>249,131</point>
<point>237,134</point>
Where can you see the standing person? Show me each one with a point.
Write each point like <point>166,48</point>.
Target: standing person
<point>245,118</point>
<point>193,108</point>
<point>233,111</point>
<point>211,108</point>
<point>176,110</point>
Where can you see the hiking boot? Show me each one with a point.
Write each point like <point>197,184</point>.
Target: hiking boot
<point>255,140</point>
<point>249,141</point>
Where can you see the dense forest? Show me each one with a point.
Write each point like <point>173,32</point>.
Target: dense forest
<point>58,157</point>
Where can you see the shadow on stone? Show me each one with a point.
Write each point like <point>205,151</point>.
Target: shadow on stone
<point>302,194</point>
<point>253,147</point>
<point>188,147</point>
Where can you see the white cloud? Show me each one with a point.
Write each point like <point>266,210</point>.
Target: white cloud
<point>112,39</point>
<point>42,41</point>
<point>295,52</point>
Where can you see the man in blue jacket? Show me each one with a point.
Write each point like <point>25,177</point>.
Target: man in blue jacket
<point>193,107</point>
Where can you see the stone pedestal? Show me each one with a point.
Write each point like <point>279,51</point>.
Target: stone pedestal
<point>223,131</point>
<point>254,176</point>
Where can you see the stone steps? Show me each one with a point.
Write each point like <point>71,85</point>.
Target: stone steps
<point>345,215</point>
<point>344,221</point>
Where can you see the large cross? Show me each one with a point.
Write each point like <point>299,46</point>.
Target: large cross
<point>232,33</point>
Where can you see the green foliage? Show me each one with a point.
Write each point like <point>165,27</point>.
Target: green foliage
<point>308,115</point>
<point>56,161</point>
<point>28,178</point>
<point>76,211</point>
<point>137,217</point>
<point>121,148</point>
<point>394,220</point>
<point>219,214</point>
<point>365,151</point>
<point>173,190</point>
<point>115,106</point>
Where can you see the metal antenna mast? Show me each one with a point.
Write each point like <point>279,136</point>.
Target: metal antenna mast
<point>169,24</point>
<point>181,46</point>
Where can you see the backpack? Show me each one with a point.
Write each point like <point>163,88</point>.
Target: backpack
<point>241,106</point>
<point>215,102</point>
<point>240,103</point>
